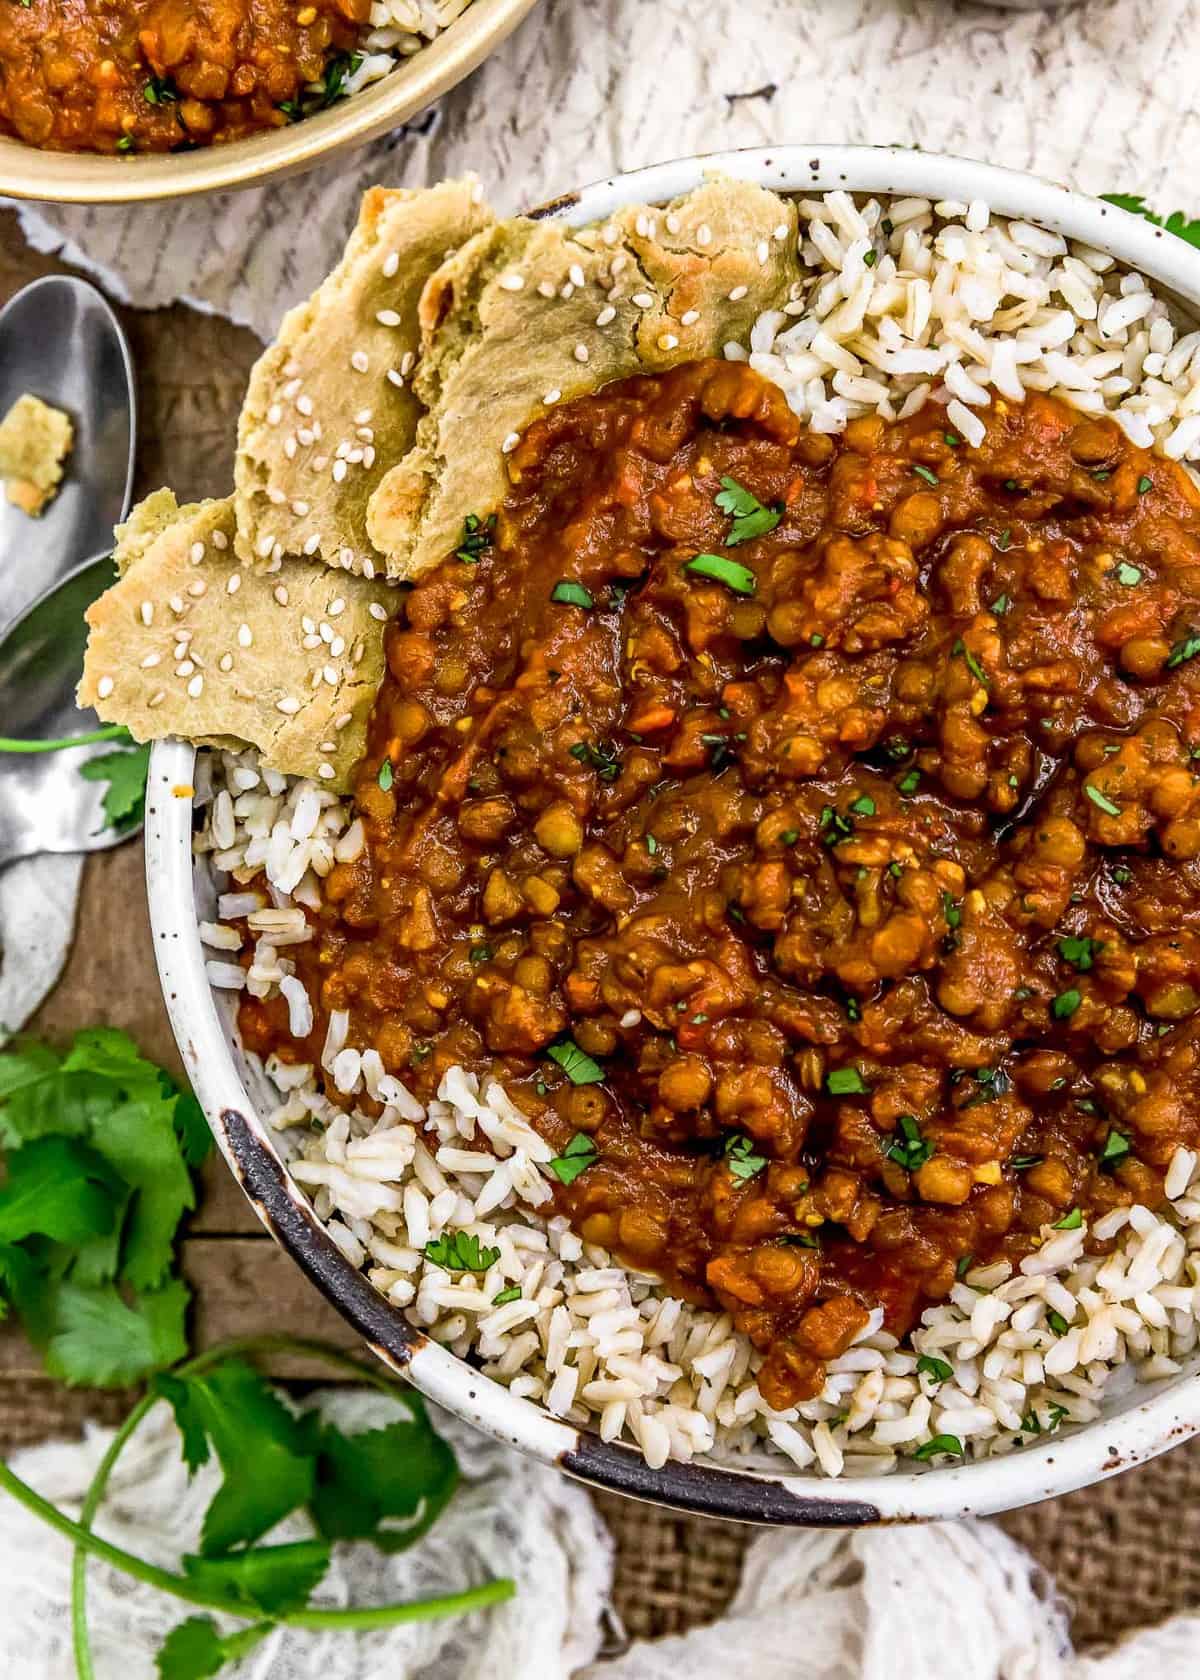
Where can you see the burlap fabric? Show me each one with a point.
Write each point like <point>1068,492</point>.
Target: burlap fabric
<point>1124,1554</point>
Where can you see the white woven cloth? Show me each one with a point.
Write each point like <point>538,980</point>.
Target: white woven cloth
<point>1100,94</point>
<point>890,1604</point>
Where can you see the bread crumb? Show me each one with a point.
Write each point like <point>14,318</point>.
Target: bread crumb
<point>35,440</point>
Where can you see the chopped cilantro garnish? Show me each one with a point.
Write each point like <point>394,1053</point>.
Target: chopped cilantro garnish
<point>480,953</point>
<point>1101,800</point>
<point>600,755</point>
<point>1081,953</point>
<point>1000,605</point>
<point>910,1150</point>
<point>863,806</point>
<point>938,1369</point>
<point>478,535</point>
<point>909,782</point>
<point>951,911</point>
<point>750,517</point>
<point>846,1082</point>
<point>964,1265</point>
<point>579,1067</point>
<point>575,1158</point>
<point>1183,650</point>
<point>386,775</point>
<point>789,837</point>
<point>1129,575</point>
<point>740,579</point>
<point>1065,1004</point>
<point>1070,1221</point>
<point>924,472</point>
<point>1116,1147</point>
<point>1057,1322</point>
<point>940,1444</point>
<point>570,594</point>
<point>743,1163</point>
<point>512,1293</point>
<point>973,665</point>
<point>1144,484</point>
<point>460,1251</point>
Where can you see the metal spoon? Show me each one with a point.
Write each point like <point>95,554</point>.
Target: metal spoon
<point>60,341</point>
<point>45,804</point>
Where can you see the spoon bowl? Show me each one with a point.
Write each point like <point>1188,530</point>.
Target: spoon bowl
<point>60,341</point>
<point>47,806</point>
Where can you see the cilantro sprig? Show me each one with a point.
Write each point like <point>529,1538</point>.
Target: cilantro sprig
<point>750,518</point>
<point>124,770</point>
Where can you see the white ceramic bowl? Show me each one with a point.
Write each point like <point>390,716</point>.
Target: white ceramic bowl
<point>1137,1427</point>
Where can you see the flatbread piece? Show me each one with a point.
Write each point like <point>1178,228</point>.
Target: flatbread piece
<point>191,642</point>
<point>35,441</point>
<point>330,405</point>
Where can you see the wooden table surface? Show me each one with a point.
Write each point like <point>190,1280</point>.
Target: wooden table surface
<point>1124,1553</point>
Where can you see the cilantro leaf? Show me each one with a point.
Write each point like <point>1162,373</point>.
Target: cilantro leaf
<point>386,1485</point>
<point>750,517</point>
<point>94,1337</point>
<point>460,1251</point>
<point>138,1139</point>
<point>58,1188</point>
<point>578,1066</point>
<point>268,1469</point>
<point>274,1579</point>
<point>194,1650</point>
<point>578,1155</point>
<point>741,1160</point>
<point>125,772</point>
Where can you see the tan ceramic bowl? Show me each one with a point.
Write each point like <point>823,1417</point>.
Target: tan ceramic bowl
<point>89,178</point>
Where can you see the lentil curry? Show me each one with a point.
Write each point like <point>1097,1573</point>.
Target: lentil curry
<point>805,829</point>
<point>161,75</point>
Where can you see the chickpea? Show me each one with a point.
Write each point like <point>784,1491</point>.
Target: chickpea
<point>1093,442</point>
<point>781,1270</point>
<point>501,900</point>
<point>558,830</point>
<point>944,1180</point>
<point>1052,1180</point>
<point>1144,656</point>
<point>917,520</point>
<point>585,1107</point>
<point>685,1084</point>
<point>864,434</point>
<point>641,1233</point>
<point>540,895</point>
<point>535,974</point>
<point>485,819</point>
<point>408,720</point>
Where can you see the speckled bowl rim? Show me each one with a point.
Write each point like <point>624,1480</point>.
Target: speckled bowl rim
<point>91,178</point>
<point>1134,1430</point>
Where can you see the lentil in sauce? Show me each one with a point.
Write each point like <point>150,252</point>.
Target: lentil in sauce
<point>160,75</point>
<point>826,807</point>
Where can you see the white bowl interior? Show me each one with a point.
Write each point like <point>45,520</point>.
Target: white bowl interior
<point>1139,1420</point>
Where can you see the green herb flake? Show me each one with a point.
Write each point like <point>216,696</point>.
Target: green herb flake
<point>951,911</point>
<point>910,1150</point>
<point>1129,576</point>
<point>1117,1147</point>
<point>846,1082</point>
<point>863,806</point>
<point>909,782</point>
<point>125,771</point>
<point>1144,484</point>
<point>1057,1322</point>
<point>1184,650</point>
<point>1022,1163</point>
<point>579,1067</point>
<point>973,665</point>
<point>478,536</point>
<point>1000,606</point>
<point>460,1251</point>
<point>924,472</point>
<point>601,756</point>
<point>1065,1004</point>
<point>741,1160</point>
<point>736,577</point>
<point>577,1157</point>
<point>1004,542</point>
<point>386,775</point>
<point>1080,953</point>
<point>513,1293</point>
<point>949,1444</point>
<point>965,1262</point>
<point>936,1369</point>
<point>569,594</point>
<point>651,845</point>
<point>789,837</point>
<point>480,953</point>
<point>1101,800</point>
<point>1069,1221</point>
<point>750,518</point>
